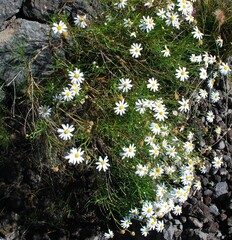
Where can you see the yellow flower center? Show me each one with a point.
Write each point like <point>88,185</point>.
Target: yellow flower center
<point>59,28</point>
<point>172,18</point>
<point>76,75</point>
<point>76,90</point>
<point>68,94</point>
<point>121,107</point>
<point>182,73</point>
<point>66,131</point>
<point>77,155</point>
<point>149,210</point>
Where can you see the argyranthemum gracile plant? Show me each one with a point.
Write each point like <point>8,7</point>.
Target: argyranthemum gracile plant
<point>128,83</point>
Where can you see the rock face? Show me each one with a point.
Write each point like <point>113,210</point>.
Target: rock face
<point>8,9</point>
<point>40,10</point>
<point>19,42</point>
<point>25,35</point>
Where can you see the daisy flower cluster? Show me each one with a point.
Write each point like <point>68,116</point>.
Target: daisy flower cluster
<point>140,115</point>
<point>168,155</point>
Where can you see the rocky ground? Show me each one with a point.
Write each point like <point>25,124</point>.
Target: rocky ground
<point>37,202</point>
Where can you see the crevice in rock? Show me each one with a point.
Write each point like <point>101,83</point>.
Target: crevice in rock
<point>22,15</point>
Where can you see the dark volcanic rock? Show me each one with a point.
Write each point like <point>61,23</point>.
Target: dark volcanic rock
<point>42,10</point>
<point>19,43</point>
<point>220,189</point>
<point>9,8</point>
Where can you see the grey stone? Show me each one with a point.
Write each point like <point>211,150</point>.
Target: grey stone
<point>41,10</point>
<point>229,221</point>
<point>183,219</point>
<point>223,172</point>
<point>196,222</point>
<point>229,135</point>
<point>171,231</point>
<point>13,235</point>
<point>230,230</point>
<point>9,8</point>
<point>213,227</point>
<point>230,206</point>
<point>221,188</point>
<point>221,145</point>
<point>208,192</point>
<point>223,217</point>
<point>201,235</point>
<point>227,159</point>
<point>214,210</point>
<point>19,43</point>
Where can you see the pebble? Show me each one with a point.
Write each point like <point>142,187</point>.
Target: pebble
<point>220,189</point>
<point>229,221</point>
<point>207,200</point>
<point>221,145</point>
<point>229,136</point>
<point>223,172</point>
<point>214,210</point>
<point>195,222</point>
<point>208,192</point>
<point>217,178</point>
<point>223,217</point>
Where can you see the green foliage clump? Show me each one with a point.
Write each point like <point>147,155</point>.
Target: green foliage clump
<point>120,100</point>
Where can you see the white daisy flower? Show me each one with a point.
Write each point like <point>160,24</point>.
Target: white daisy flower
<point>126,222</point>
<point>121,4</point>
<point>140,106</point>
<point>45,111</point>
<point>159,226</point>
<point>80,21</point>
<point>147,24</point>
<point>219,41</point>
<point>65,132</point>
<point>127,23</point>
<point>184,105</point>
<point>172,19</point>
<point>188,146</point>
<point>109,234</point>
<point>141,170</point>
<point>215,96</point>
<point>59,28</point>
<point>224,69</point>
<point>153,85</point>
<point>217,162</point>
<point>125,84</point>
<point>166,51</point>
<point>75,156</point>
<point>120,108</point>
<point>76,76</point>
<point>102,164</point>
<point>128,152</point>
<point>149,3</point>
<point>182,74</point>
<point>203,74</point>
<point>197,34</point>
<point>210,117</point>
<point>136,49</point>
<point>67,94</point>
